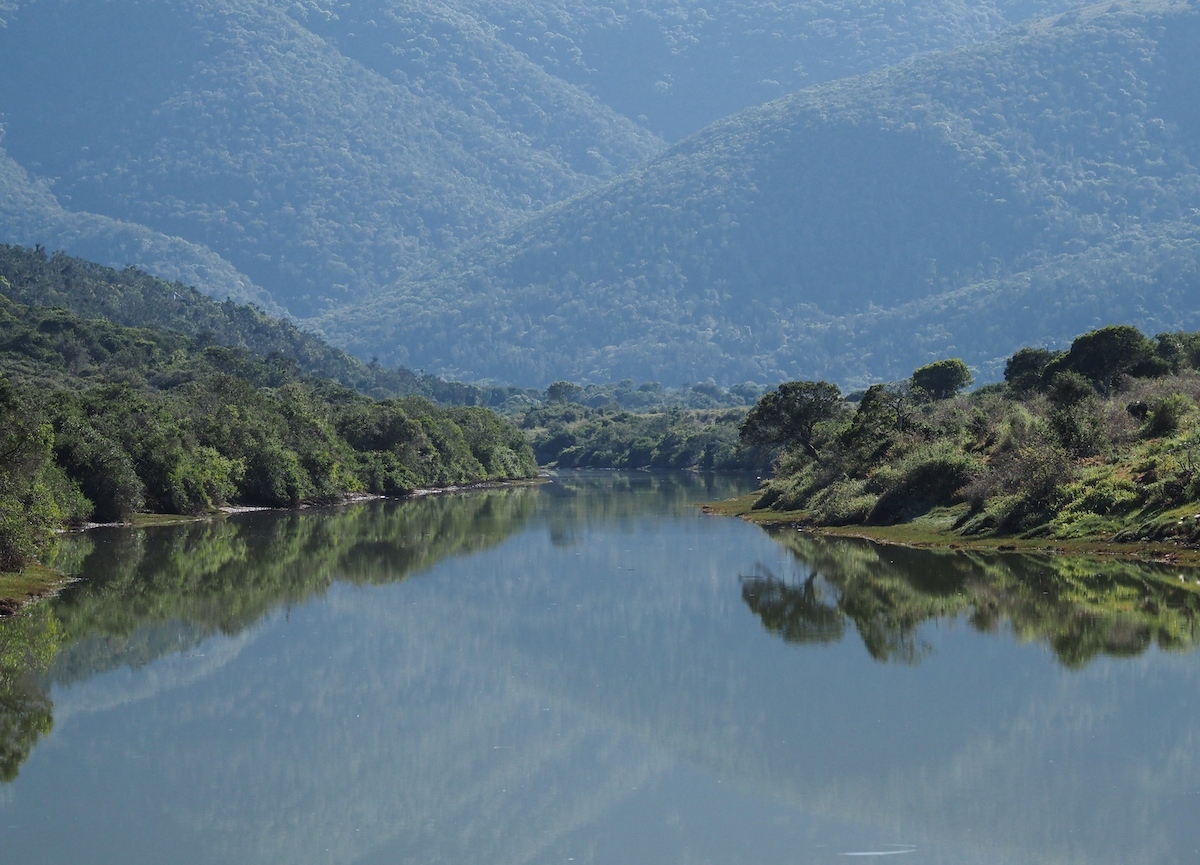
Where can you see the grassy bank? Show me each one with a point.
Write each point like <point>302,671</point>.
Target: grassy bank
<point>1094,449</point>
<point>937,529</point>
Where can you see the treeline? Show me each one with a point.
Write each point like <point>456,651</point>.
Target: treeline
<point>569,435</point>
<point>99,421</point>
<point>1096,441</point>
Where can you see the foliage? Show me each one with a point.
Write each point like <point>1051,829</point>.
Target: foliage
<point>563,391</point>
<point>1024,370</point>
<point>1046,454</point>
<point>133,298</point>
<point>942,379</point>
<point>1101,355</point>
<point>99,421</point>
<point>788,414</point>
<point>35,497</point>
<point>577,436</point>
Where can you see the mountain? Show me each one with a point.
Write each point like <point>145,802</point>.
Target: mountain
<point>313,172</point>
<point>966,203</point>
<point>677,66</point>
<point>29,213</point>
<point>301,155</point>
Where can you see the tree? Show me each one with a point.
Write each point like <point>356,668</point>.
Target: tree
<point>1101,355</point>
<point>563,391</point>
<point>942,379</point>
<point>1023,371</point>
<point>29,513</point>
<point>788,414</point>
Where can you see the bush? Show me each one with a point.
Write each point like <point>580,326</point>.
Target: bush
<point>274,477</point>
<point>931,476</point>
<point>844,503</point>
<point>1166,414</point>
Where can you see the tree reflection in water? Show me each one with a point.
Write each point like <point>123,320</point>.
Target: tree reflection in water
<point>1081,607</point>
<point>151,592</point>
<point>28,644</point>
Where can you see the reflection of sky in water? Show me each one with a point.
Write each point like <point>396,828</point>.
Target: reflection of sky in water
<point>594,689</point>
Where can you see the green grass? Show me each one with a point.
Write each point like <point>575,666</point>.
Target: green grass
<point>31,584</point>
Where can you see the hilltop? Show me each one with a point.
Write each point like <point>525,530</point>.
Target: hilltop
<point>1016,192</point>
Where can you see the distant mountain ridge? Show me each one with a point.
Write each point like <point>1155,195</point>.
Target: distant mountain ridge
<point>303,154</point>
<point>962,204</point>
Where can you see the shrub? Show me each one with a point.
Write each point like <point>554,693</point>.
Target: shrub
<point>844,503</point>
<point>930,476</point>
<point>1166,413</point>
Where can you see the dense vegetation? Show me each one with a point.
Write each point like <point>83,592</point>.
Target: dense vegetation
<point>1099,441</point>
<point>312,165</point>
<point>678,65</point>
<point>299,153</point>
<point>574,436</point>
<point>1016,192</point>
<point>100,421</point>
<point>134,298</point>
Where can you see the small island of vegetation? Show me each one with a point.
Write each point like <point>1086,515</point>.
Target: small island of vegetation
<point>1094,446</point>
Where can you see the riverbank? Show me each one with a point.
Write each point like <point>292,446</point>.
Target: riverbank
<point>936,529</point>
<point>38,582</point>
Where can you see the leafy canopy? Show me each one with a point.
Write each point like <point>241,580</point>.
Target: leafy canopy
<point>788,414</point>
<point>942,379</point>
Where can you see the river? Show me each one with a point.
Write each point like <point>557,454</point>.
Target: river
<point>593,671</point>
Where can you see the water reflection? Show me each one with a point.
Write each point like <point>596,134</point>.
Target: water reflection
<point>28,645</point>
<point>150,592</point>
<point>593,683</point>
<point>1081,607</point>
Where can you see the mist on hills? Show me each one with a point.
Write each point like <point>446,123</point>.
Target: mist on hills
<point>967,203</point>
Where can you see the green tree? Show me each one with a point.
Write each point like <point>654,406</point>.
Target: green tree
<point>788,414</point>
<point>1023,371</point>
<point>563,391</point>
<point>1102,355</point>
<point>943,378</point>
<point>29,513</point>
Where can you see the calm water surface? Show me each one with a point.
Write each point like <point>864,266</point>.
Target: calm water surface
<point>592,671</point>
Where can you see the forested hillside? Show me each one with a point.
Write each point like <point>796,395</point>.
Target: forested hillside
<point>966,203</point>
<point>300,155</point>
<point>133,298</point>
<point>100,421</point>
<point>314,172</point>
<point>677,65</point>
